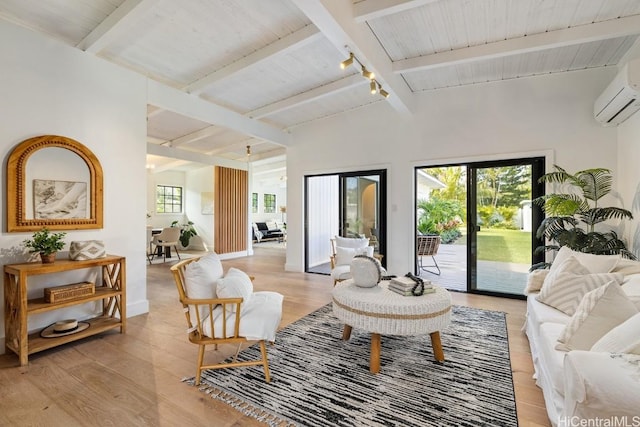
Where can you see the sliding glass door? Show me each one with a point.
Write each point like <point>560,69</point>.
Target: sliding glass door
<point>486,223</point>
<point>347,204</point>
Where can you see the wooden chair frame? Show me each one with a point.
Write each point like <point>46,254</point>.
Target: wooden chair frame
<point>196,329</point>
<point>427,246</point>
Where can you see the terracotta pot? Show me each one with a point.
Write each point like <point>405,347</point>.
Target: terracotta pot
<point>48,258</point>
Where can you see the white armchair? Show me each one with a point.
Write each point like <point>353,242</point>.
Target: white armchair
<point>343,249</point>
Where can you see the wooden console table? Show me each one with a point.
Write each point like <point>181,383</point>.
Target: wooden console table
<point>17,308</point>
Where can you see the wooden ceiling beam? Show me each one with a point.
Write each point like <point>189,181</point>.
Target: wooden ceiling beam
<point>115,25</point>
<point>287,44</point>
<point>620,27</point>
<point>197,135</point>
<point>371,9</point>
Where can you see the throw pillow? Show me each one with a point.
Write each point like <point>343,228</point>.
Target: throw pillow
<point>235,284</point>
<point>200,279</point>
<point>624,338</point>
<point>599,311</point>
<point>535,279</point>
<point>631,287</point>
<point>350,242</point>
<point>594,263</point>
<point>627,267</point>
<point>568,289</point>
<point>344,256</point>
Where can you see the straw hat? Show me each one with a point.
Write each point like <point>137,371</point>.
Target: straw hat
<point>63,327</point>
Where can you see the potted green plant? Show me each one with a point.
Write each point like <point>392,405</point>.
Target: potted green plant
<point>572,217</point>
<point>46,244</point>
<point>186,232</point>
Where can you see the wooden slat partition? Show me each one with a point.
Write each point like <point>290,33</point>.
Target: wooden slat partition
<point>231,209</point>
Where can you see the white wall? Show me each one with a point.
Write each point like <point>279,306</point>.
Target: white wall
<point>547,114</point>
<point>198,182</point>
<point>49,88</point>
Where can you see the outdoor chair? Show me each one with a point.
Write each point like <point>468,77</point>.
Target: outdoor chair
<point>427,246</point>
<point>215,317</point>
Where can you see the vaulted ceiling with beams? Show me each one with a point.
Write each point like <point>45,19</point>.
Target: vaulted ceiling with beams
<point>253,69</point>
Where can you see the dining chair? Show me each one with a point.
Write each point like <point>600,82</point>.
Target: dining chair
<point>167,238</point>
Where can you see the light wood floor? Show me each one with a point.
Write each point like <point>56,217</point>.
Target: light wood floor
<point>135,378</point>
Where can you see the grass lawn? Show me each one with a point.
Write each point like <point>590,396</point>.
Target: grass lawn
<point>502,245</point>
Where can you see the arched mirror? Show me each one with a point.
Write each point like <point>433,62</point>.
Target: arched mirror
<point>53,182</point>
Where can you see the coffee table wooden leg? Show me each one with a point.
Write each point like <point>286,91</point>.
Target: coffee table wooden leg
<point>436,344</point>
<point>346,332</point>
<point>374,363</point>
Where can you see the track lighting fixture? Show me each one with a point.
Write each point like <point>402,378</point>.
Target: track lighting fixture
<point>344,64</point>
<point>367,74</point>
<point>375,86</point>
<point>248,152</point>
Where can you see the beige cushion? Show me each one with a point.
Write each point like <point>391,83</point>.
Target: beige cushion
<point>624,338</point>
<point>599,311</point>
<point>631,287</point>
<point>235,284</point>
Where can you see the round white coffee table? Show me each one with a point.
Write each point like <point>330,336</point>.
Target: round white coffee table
<point>383,312</point>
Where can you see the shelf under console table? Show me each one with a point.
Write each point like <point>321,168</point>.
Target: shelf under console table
<point>17,307</point>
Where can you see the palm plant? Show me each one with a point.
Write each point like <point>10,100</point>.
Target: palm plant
<point>572,217</point>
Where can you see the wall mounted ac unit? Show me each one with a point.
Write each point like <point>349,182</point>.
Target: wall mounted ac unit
<point>621,98</point>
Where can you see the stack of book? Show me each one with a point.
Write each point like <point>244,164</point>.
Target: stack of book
<point>404,285</point>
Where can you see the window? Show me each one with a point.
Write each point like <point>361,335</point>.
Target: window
<point>254,202</point>
<point>269,203</point>
<point>168,199</point>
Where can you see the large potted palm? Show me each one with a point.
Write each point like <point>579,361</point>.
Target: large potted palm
<point>572,216</point>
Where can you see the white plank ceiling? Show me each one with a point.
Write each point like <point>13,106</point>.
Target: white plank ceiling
<point>257,68</point>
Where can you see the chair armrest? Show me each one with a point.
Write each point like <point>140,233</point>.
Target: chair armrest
<point>332,259</point>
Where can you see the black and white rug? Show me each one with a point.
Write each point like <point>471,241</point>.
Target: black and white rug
<point>319,380</point>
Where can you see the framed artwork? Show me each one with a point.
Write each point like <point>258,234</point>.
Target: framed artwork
<point>206,202</point>
<point>59,199</point>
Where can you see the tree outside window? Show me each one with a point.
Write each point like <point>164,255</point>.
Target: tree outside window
<point>269,203</point>
<point>168,199</point>
<point>254,202</point>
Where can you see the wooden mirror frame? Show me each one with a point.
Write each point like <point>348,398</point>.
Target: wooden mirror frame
<point>16,177</point>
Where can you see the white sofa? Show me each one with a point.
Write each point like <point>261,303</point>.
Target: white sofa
<point>593,372</point>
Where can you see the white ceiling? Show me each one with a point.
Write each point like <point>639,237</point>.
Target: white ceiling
<point>257,68</point>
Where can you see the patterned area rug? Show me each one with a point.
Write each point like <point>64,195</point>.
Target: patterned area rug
<point>319,380</point>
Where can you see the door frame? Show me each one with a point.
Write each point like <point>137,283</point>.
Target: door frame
<point>382,208</point>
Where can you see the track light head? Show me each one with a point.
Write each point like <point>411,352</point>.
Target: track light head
<point>384,93</point>
<point>248,150</point>
<point>344,64</point>
<point>368,74</point>
<point>374,89</point>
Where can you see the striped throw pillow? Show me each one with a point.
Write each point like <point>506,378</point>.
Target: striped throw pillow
<point>600,311</point>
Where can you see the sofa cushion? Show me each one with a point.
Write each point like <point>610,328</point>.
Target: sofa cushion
<point>599,311</point>
<point>553,359</point>
<point>627,267</point>
<point>200,279</point>
<point>262,226</point>
<point>624,338</point>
